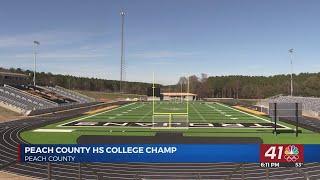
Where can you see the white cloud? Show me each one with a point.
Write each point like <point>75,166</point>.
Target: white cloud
<point>161,54</point>
<point>58,55</point>
<point>45,37</point>
<point>60,39</point>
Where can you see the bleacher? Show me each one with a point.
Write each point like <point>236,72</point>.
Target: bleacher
<point>18,95</point>
<point>72,94</point>
<point>46,94</point>
<point>26,99</point>
<point>23,100</point>
<point>310,105</point>
<point>310,109</point>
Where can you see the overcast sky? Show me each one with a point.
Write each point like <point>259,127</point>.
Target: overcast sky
<point>169,37</point>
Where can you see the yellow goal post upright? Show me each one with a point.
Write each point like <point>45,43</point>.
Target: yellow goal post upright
<point>163,118</point>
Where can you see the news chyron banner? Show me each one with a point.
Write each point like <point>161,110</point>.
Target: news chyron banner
<point>268,155</point>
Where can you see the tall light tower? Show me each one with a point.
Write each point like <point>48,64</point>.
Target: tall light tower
<point>291,80</point>
<point>122,61</point>
<point>35,43</point>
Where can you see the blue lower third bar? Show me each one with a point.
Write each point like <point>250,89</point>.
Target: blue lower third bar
<point>161,153</point>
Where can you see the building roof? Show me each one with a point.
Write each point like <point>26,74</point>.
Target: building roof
<point>12,74</point>
<point>178,94</point>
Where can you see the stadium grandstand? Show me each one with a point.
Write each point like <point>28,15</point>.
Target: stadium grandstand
<point>19,96</point>
<point>310,109</point>
<point>310,105</point>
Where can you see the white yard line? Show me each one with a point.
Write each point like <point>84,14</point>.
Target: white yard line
<point>53,130</point>
<point>86,117</point>
<point>250,114</point>
<point>145,115</point>
<point>142,118</point>
<point>200,115</point>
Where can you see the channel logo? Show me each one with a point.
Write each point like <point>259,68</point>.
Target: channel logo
<point>282,153</point>
<point>291,153</point>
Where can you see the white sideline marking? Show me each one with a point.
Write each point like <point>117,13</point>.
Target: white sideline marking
<point>53,130</point>
<point>86,117</point>
<point>250,114</point>
<point>233,118</point>
<point>228,115</point>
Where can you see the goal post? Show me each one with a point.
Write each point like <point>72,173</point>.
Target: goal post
<point>166,115</point>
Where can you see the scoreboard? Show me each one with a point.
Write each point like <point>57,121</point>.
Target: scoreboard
<point>281,155</point>
<point>156,91</point>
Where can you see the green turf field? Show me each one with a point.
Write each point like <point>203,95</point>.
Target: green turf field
<point>205,119</point>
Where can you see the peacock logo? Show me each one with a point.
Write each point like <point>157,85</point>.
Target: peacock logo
<point>291,153</point>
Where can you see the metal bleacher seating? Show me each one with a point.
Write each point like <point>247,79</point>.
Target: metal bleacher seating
<point>310,108</point>
<point>71,94</point>
<point>22,100</point>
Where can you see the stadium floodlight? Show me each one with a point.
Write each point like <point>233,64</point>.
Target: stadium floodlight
<point>35,43</point>
<point>122,63</point>
<point>291,79</point>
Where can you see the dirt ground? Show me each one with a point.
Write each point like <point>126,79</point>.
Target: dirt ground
<point>7,115</point>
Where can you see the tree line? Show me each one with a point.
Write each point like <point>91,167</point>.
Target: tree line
<point>233,86</point>
<point>237,86</point>
<point>82,83</point>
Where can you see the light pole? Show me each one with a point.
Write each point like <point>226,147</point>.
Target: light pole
<point>291,80</point>
<point>181,97</point>
<point>122,13</point>
<point>35,43</point>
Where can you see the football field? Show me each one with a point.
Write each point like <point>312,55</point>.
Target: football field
<point>202,119</point>
<point>198,113</point>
